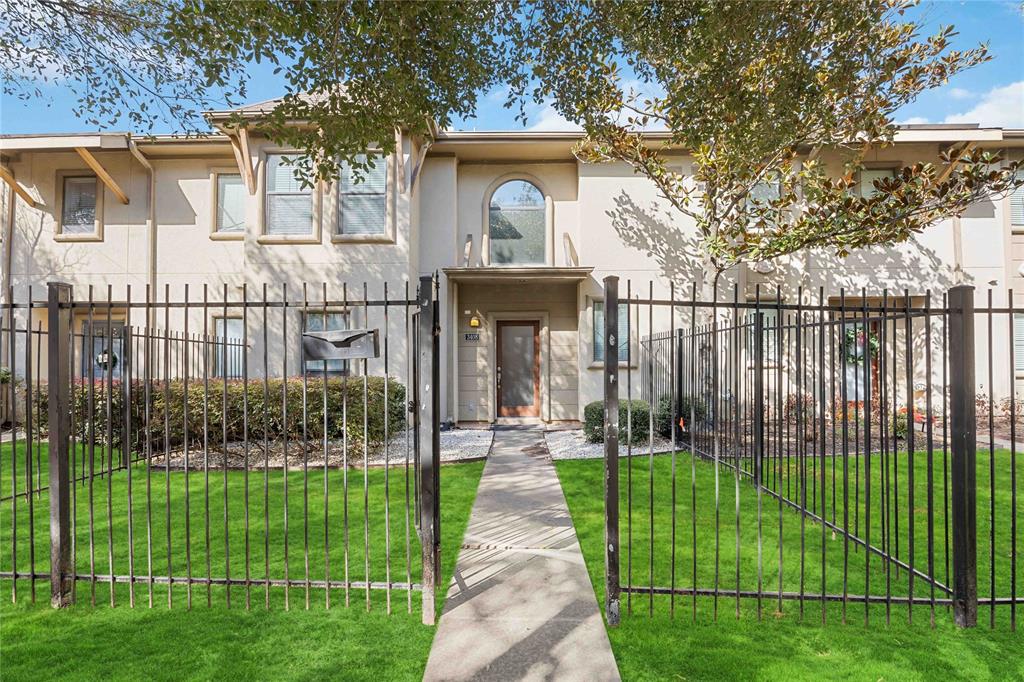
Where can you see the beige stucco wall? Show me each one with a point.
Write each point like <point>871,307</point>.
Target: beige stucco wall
<point>554,306</point>
<point>615,220</point>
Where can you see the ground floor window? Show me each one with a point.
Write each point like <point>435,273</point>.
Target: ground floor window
<point>598,331</point>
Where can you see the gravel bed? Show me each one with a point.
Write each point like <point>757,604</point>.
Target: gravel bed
<point>456,445</point>
<point>572,445</point>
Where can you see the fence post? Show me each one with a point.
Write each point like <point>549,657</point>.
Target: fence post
<point>59,413</point>
<point>427,409</point>
<point>611,447</point>
<point>963,445</point>
<point>759,397</point>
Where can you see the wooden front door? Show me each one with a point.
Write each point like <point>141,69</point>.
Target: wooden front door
<point>518,371</point>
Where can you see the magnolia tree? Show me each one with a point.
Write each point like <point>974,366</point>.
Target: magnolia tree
<point>755,93</point>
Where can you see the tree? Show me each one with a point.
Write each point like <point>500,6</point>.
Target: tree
<point>352,72</point>
<point>755,92</point>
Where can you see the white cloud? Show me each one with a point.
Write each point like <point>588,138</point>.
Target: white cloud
<point>547,118</point>
<point>1002,107</point>
<point>913,120</point>
<point>959,93</point>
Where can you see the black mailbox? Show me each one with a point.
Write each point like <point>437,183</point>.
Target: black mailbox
<point>349,344</point>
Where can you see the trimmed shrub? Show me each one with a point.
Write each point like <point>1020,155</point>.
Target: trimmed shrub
<point>278,413</point>
<point>593,420</point>
<point>663,415</point>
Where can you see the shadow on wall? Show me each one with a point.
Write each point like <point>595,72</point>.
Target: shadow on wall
<point>656,231</point>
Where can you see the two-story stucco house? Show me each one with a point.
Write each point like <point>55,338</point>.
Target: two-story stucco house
<point>520,231</point>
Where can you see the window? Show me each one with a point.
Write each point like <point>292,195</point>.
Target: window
<point>867,180</point>
<point>517,224</point>
<point>362,205</point>
<point>598,332</point>
<point>228,347</point>
<point>329,321</point>
<point>289,208</point>
<point>102,350</point>
<point>769,333</point>
<point>78,214</point>
<point>761,195</point>
<point>230,218</point>
<point>1017,207</point>
<point>1018,342</point>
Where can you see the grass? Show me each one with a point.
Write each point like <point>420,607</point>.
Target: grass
<point>91,642</point>
<point>652,644</point>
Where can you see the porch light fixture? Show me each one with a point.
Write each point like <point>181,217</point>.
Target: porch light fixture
<point>474,322</point>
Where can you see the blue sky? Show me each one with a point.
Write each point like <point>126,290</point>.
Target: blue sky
<point>991,94</point>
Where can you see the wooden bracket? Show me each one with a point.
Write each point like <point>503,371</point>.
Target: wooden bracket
<point>102,174</point>
<point>243,158</point>
<point>8,177</point>
<point>954,161</point>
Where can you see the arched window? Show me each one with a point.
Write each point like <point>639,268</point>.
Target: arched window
<point>517,224</point>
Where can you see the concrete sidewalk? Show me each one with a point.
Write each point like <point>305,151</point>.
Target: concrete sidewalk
<point>520,605</point>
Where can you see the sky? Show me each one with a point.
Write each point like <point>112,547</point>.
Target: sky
<point>991,94</point>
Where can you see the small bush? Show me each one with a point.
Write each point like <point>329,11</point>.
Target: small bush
<point>663,416</point>
<point>593,421</point>
<point>279,414</point>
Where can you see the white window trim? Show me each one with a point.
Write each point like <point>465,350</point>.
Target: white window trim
<point>549,221</point>
<point>334,215</point>
<point>215,234</point>
<point>316,196</point>
<point>58,214</point>
<point>891,166</point>
<point>634,338</point>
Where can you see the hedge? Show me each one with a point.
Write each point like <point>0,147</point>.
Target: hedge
<point>168,403</point>
<point>663,415</point>
<point>593,421</point>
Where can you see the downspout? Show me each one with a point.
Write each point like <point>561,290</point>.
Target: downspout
<point>151,228</point>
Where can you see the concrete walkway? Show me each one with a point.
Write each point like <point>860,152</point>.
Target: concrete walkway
<point>520,605</point>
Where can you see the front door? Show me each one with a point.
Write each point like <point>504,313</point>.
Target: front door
<point>518,371</point>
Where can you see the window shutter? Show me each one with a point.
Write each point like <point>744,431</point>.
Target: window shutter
<point>78,210</point>
<point>230,203</point>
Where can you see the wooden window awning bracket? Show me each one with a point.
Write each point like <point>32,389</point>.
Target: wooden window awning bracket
<point>102,174</point>
<point>8,177</point>
<point>243,158</point>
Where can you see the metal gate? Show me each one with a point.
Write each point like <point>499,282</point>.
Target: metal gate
<point>196,445</point>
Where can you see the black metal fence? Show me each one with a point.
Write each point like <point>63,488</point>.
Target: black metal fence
<point>824,452</point>
<point>184,447</point>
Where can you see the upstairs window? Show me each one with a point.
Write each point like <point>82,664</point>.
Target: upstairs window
<point>517,224</point>
<point>1017,208</point>
<point>289,209</point>
<point>230,204</point>
<point>867,180</point>
<point>362,204</point>
<point>78,214</point>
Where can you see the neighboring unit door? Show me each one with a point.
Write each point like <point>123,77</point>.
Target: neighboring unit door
<point>518,371</point>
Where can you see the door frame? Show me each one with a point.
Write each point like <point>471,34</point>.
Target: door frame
<point>537,408</point>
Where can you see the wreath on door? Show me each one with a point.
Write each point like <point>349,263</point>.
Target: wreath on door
<point>859,344</point>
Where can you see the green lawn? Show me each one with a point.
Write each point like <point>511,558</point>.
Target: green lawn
<point>87,642</point>
<point>782,645</point>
